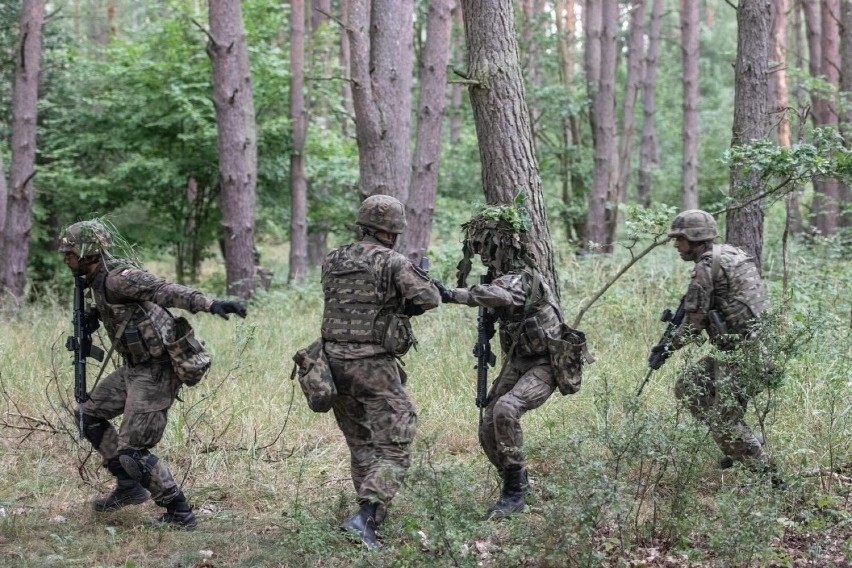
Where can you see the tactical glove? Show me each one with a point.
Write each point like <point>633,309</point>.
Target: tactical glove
<point>91,320</point>
<point>448,296</point>
<point>224,307</point>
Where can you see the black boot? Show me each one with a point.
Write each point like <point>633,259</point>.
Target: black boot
<point>512,498</point>
<point>178,514</point>
<point>127,491</point>
<point>363,524</point>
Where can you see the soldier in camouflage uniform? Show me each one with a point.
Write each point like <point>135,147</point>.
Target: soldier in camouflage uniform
<point>370,292</point>
<point>132,304</point>
<point>725,298</point>
<point>525,307</point>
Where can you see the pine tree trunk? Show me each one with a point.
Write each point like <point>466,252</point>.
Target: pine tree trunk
<point>501,117</point>
<point>426,161</point>
<point>381,39</point>
<point>237,142</point>
<point>19,209</point>
<point>845,195</point>
<point>649,154</point>
<point>745,223</point>
<point>689,19</point>
<point>298,125</point>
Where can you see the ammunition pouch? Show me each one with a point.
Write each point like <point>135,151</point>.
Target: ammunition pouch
<point>190,360</point>
<point>315,376</point>
<point>568,353</point>
<point>398,337</point>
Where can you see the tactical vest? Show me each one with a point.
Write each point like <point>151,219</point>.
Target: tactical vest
<point>145,325</point>
<point>524,333</point>
<point>746,296</point>
<point>355,290</point>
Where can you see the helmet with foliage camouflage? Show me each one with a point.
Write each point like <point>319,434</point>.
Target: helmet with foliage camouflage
<point>383,213</point>
<point>694,225</point>
<point>498,234</point>
<point>86,238</point>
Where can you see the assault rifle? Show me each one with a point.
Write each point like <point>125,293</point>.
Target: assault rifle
<point>482,350</point>
<point>662,350</point>
<point>81,343</point>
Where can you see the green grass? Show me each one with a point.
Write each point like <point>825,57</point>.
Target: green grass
<point>615,479</point>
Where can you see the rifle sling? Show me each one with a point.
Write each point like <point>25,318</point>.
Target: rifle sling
<point>118,335</point>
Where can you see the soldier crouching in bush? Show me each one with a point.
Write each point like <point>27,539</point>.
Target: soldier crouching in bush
<point>132,304</point>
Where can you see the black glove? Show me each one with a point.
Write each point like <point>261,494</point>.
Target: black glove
<point>91,320</point>
<point>658,356</point>
<point>224,307</point>
<point>448,296</point>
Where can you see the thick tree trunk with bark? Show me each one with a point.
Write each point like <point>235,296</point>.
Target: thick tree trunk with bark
<point>298,125</point>
<point>381,40</point>
<point>745,222</point>
<point>426,161</point>
<point>237,142</point>
<point>602,204</point>
<point>649,156</point>
<point>345,59</point>
<point>16,234</point>
<point>500,113</point>
<point>689,23</point>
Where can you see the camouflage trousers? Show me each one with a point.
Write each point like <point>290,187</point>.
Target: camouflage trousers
<point>522,385</point>
<point>378,420</point>
<point>143,394</point>
<point>711,391</point>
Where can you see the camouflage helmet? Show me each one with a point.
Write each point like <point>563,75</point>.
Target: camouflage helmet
<point>694,225</point>
<point>499,235</point>
<point>86,238</point>
<point>383,213</point>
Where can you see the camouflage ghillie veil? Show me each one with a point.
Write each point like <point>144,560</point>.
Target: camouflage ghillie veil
<point>99,237</point>
<point>497,233</point>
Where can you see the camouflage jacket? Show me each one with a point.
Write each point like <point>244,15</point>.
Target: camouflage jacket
<point>523,305</point>
<point>731,285</point>
<point>138,300</point>
<point>398,287</point>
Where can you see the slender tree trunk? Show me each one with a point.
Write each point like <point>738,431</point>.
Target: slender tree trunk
<point>457,92</point>
<point>845,194</point>
<point>19,210</point>
<point>381,38</point>
<point>649,154</point>
<point>745,223</point>
<point>501,117</point>
<point>345,59</point>
<point>602,204</point>
<point>689,19</point>
<point>628,122</point>
<point>298,125</point>
<point>426,161</point>
<point>778,94</point>
<point>4,196</point>
<point>320,10</point>
<point>237,142</point>
<point>826,201</point>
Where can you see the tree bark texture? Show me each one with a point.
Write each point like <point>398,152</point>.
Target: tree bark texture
<point>381,41</point>
<point>426,161</point>
<point>845,193</point>
<point>4,194</point>
<point>500,114</point>
<point>456,90</point>
<point>298,126</point>
<point>16,241</point>
<point>602,203</point>
<point>778,91</point>
<point>635,43</point>
<point>345,59</point>
<point>745,223</point>
<point>649,156</point>
<point>689,23</point>
<point>237,142</point>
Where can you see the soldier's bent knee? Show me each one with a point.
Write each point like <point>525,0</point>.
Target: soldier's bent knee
<point>93,428</point>
<point>138,464</point>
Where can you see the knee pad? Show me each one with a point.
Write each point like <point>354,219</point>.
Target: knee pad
<point>93,428</point>
<point>138,464</point>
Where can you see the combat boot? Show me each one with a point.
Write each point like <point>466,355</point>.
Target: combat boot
<point>127,491</point>
<point>512,497</point>
<point>363,524</point>
<point>178,515</point>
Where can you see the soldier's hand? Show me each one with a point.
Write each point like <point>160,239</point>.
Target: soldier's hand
<point>224,307</point>
<point>659,354</point>
<point>448,296</point>
<point>91,320</point>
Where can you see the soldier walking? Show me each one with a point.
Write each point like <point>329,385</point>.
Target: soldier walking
<point>132,304</point>
<point>370,292</point>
